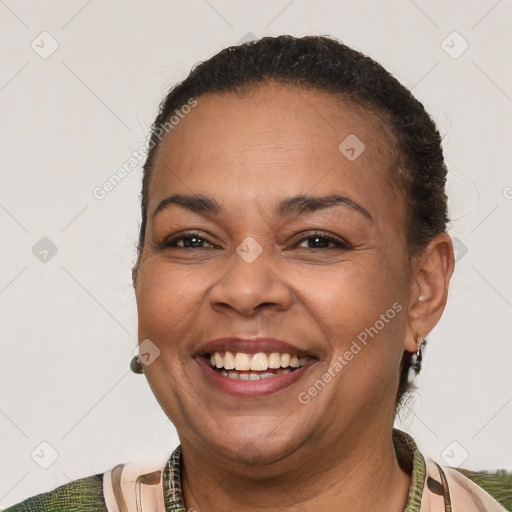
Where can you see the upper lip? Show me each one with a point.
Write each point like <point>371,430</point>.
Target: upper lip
<point>250,346</point>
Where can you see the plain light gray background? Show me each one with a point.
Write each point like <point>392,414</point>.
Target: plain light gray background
<point>70,119</point>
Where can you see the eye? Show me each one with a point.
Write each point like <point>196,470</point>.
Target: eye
<point>314,240</point>
<point>188,241</point>
<point>321,240</point>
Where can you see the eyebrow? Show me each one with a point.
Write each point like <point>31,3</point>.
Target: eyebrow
<point>297,205</point>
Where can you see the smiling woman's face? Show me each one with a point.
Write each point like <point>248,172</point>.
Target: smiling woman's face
<point>248,261</point>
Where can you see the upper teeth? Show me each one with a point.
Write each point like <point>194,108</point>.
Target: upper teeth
<point>256,362</point>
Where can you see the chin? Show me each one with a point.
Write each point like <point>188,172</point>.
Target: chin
<point>255,449</point>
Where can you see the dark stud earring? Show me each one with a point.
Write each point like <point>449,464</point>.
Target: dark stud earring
<point>136,365</point>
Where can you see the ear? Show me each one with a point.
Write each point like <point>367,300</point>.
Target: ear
<point>431,272</point>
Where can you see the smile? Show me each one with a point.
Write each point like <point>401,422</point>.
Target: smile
<point>243,366</point>
<point>252,367</point>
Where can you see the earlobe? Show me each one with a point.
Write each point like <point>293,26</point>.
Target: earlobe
<point>430,279</point>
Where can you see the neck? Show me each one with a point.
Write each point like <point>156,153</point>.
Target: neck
<point>358,474</point>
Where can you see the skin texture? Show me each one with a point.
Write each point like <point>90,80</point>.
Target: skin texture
<point>249,152</point>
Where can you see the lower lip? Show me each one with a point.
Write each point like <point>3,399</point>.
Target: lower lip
<point>251,388</point>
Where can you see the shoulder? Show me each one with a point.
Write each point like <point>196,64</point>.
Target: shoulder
<point>440,488</point>
<point>132,483</point>
<point>80,495</point>
<point>466,493</point>
<point>463,493</point>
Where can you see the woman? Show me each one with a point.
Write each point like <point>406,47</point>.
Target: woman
<point>293,255</point>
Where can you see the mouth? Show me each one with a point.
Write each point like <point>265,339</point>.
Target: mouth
<point>251,368</point>
<point>243,366</point>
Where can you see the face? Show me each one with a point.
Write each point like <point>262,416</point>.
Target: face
<point>280,256</point>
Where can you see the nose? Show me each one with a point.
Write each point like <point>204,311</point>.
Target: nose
<point>247,287</point>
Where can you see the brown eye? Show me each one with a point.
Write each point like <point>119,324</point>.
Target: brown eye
<point>322,241</point>
<point>188,241</point>
<point>191,241</point>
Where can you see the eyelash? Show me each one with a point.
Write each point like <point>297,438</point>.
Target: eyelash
<point>338,242</point>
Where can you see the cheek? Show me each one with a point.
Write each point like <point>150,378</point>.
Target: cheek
<point>168,300</point>
<point>362,310</point>
<point>354,295</point>
<point>343,300</point>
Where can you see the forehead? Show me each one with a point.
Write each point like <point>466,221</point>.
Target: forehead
<point>277,141</point>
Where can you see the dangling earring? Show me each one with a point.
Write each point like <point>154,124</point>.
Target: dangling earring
<point>417,359</point>
<point>136,365</point>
